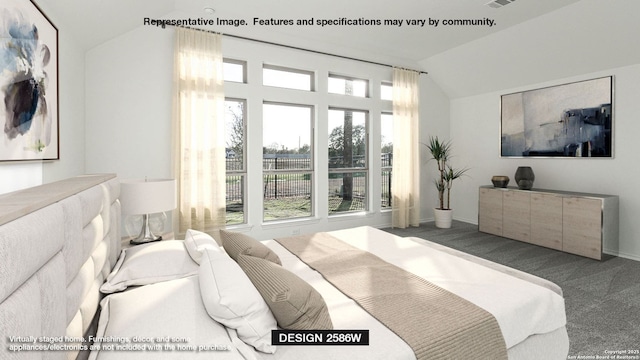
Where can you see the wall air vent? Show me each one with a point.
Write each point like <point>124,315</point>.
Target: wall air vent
<point>499,3</point>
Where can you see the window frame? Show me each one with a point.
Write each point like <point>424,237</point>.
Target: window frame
<point>385,84</point>
<point>311,74</point>
<point>352,170</point>
<point>383,168</point>
<point>310,170</point>
<point>236,62</point>
<point>243,172</point>
<point>367,89</point>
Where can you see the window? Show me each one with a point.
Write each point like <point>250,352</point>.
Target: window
<point>287,161</point>
<point>236,173</point>
<point>234,70</point>
<point>290,183</point>
<point>348,86</point>
<point>348,163</point>
<point>287,78</point>
<point>386,91</point>
<point>386,157</point>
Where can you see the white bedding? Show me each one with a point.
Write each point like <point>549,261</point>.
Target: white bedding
<point>520,308</point>
<point>170,309</point>
<point>174,308</point>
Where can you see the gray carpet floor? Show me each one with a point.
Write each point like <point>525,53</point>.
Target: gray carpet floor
<point>602,298</point>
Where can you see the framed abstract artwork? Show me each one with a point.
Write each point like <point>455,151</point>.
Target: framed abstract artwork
<point>572,120</point>
<point>28,83</point>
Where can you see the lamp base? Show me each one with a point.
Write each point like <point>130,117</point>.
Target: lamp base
<point>138,241</point>
<point>146,236</point>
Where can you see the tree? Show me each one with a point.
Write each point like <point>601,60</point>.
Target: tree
<point>387,146</point>
<point>347,153</point>
<point>304,149</point>
<point>272,148</point>
<point>235,122</point>
<point>336,141</point>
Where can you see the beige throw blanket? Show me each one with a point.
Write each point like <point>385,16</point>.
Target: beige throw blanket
<point>434,322</point>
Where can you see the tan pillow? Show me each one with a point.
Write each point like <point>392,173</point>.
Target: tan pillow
<point>235,243</point>
<point>295,304</point>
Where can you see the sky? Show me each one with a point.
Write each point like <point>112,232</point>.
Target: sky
<point>290,126</point>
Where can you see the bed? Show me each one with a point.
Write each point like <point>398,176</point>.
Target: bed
<point>58,242</point>
<point>164,306</point>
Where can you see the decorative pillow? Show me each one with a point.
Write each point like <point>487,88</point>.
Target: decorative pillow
<point>295,304</point>
<point>236,243</point>
<point>196,241</point>
<point>231,299</point>
<point>148,264</point>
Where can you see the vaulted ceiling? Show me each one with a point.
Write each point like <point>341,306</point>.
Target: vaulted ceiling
<point>92,22</point>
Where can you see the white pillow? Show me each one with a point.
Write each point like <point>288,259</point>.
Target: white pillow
<point>148,264</point>
<point>166,309</point>
<point>196,241</point>
<point>231,299</point>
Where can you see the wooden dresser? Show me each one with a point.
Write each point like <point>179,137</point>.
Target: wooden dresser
<point>578,223</point>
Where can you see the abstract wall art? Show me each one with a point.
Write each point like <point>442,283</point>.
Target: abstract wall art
<point>28,83</point>
<point>572,120</point>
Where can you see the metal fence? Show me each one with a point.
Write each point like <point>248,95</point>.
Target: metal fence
<point>288,162</point>
<point>281,186</point>
<point>296,185</point>
<point>385,200</point>
<point>341,200</point>
<point>387,162</point>
<point>235,188</point>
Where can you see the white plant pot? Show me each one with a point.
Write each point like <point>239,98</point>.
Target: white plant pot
<point>443,218</point>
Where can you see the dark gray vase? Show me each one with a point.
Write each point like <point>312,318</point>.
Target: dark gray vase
<point>524,177</point>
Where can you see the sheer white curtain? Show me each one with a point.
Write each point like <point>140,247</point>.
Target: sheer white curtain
<point>405,178</point>
<point>198,131</point>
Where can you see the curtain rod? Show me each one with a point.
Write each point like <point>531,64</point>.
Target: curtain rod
<point>301,49</point>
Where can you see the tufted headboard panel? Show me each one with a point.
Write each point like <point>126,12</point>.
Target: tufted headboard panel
<point>58,243</point>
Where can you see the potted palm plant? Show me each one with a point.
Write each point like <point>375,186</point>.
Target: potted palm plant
<point>441,153</point>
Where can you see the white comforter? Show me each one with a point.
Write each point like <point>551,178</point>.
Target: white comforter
<point>522,309</point>
<point>174,308</point>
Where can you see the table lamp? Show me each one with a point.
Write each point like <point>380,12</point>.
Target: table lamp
<point>147,196</point>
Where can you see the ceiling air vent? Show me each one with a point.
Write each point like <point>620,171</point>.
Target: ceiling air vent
<point>499,3</point>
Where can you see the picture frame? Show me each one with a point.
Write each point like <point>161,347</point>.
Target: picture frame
<point>572,120</point>
<point>29,102</point>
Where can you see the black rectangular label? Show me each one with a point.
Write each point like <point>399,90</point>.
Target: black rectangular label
<point>319,337</point>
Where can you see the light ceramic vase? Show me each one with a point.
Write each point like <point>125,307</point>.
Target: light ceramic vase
<point>443,218</point>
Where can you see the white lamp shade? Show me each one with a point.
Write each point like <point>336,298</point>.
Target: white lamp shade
<point>147,196</point>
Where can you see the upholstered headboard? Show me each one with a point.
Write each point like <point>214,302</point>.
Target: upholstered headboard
<point>58,242</point>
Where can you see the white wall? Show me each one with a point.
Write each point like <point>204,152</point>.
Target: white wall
<point>589,39</point>
<point>475,126</point>
<point>434,117</point>
<point>128,106</point>
<point>72,112</point>
<point>20,175</point>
